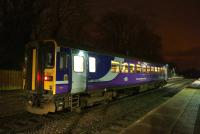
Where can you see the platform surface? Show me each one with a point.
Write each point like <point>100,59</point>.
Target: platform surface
<point>179,115</point>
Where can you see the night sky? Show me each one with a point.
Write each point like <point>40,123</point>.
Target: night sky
<point>177,21</point>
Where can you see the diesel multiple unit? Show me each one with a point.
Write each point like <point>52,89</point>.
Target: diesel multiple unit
<point>60,77</point>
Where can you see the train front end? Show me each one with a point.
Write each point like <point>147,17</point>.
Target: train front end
<point>40,77</point>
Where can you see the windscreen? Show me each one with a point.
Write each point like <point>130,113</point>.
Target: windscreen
<point>49,55</point>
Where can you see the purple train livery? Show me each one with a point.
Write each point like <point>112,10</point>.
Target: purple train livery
<point>59,77</point>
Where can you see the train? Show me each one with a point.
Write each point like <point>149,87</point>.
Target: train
<point>59,77</point>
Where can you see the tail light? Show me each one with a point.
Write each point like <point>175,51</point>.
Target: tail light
<point>38,76</point>
<point>48,78</point>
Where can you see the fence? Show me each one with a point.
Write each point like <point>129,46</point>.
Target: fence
<point>11,79</point>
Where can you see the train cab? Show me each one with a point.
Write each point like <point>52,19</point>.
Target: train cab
<point>53,73</point>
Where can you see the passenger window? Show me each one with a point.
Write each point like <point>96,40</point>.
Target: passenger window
<point>144,69</point>
<point>78,63</point>
<point>63,61</point>
<point>138,68</point>
<point>115,67</point>
<point>164,69</point>
<point>148,69</point>
<point>152,69</point>
<point>92,64</point>
<point>156,69</point>
<point>161,70</point>
<point>124,68</point>
<point>132,68</point>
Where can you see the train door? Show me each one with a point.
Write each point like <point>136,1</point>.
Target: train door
<point>79,71</point>
<point>63,70</point>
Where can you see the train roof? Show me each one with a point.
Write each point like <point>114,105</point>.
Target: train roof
<point>71,44</point>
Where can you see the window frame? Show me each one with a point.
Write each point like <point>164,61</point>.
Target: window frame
<point>65,58</point>
<point>138,66</point>
<point>156,69</point>
<point>94,65</point>
<point>148,69</point>
<point>152,69</point>
<point>74,64</point>
<point>116,63</point>
<point>48,47</point>
<point>125,64</point>
<point>144,69</point>
<point>131,65</point>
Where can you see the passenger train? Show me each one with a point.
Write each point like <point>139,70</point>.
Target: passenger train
<point>59,77</point>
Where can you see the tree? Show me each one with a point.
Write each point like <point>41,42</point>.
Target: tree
<point>15,23</point>
<point>23,20</point>
<point>115,28</point>
<point>131,35</point>
<point>60,19</point>
<point>148,46</point>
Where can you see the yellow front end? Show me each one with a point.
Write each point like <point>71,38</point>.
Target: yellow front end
<point>43,78</point>
<point>50,86</point>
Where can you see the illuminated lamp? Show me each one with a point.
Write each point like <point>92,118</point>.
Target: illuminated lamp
<point>81,53</point>
<point>38,76</point>
<point>48,78</point>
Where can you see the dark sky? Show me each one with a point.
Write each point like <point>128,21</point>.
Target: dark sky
<point>177,21</point>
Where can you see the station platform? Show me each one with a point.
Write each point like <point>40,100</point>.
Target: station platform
<point>178,115</point>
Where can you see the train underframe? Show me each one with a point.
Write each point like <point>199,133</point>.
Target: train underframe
<point>45,103</point>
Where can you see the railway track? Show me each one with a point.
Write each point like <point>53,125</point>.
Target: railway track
<point>27,122</point>
<point>129,117</point>
<point>121,121</point>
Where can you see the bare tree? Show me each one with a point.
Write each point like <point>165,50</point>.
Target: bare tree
<point>22,20</point>
<point>60,18</point>
<point>131,35</point>
<point>15,29</point>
